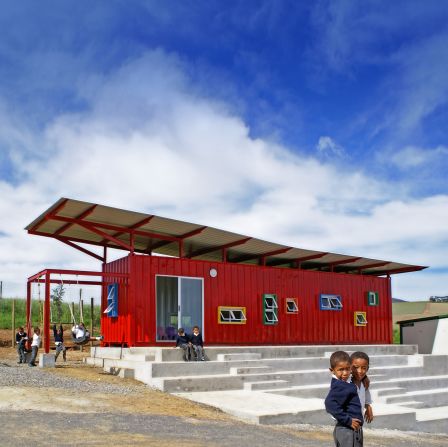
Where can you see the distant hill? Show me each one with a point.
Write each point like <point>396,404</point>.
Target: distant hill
<point>397,300</point>
<point>404,310</point>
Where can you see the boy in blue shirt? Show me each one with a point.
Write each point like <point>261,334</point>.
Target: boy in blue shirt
<point>197,344</point>
<point>183,341</point>
<point>343,403</point>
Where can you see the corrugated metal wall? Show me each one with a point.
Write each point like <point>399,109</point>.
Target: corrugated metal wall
<point>244,285</point>
<point>118,330</point>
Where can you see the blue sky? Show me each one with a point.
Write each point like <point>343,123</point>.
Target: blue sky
<point>328,116</point>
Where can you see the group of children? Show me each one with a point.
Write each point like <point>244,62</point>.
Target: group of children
<point>348,400</point>
<point>192,345</point>
<point>22,337</point>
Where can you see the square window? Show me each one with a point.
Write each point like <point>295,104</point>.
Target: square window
<point>291,306</point>
<point>360,319</point>
<point>271,317</point>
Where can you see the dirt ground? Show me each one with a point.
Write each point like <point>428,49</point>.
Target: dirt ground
<point>144,417</point>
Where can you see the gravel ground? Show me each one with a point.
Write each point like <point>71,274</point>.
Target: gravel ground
<point>22,375</point>
<point>122,426</point>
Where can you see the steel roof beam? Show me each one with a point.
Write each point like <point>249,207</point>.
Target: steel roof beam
<point>371,266</point>
<point>206,250</point>
<point>342,261</point>
<point>275,262</point>
<point>84,250</point>
<point>83,241</point>
<point>192,233</point>
<point>106,236</point>
<point>81,216</point>
<point>260,256</point>
<point>115,228</point>
<point>49,215</point>
<point>415,268</point>
<point>132,227</point>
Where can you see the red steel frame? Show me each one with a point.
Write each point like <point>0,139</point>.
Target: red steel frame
<point>128,272</point>
<point>45,277</point>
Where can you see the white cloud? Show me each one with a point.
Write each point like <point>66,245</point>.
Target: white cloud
<point>148,142</point>
<point>414,157</point>
<point>328,147</point>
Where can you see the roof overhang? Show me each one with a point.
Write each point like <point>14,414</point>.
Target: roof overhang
<point>73,222</point>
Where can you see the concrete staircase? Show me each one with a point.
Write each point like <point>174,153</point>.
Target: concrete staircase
<point>287,384</point>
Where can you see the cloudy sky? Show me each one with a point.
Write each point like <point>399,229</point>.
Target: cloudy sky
<point>321,125</point>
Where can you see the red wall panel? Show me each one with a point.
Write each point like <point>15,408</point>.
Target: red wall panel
<point>244,285</point>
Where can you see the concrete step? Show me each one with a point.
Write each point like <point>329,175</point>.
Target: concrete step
<point>415,383</point>
<point>265,385</point>
<point>412,404</point>
<point>135,357</point>
<point>380,392</point>
<point>124,373</point>
<point>234,371</point>
<point>238,356</point>
<point>169,354</point>
<point>427,398</point>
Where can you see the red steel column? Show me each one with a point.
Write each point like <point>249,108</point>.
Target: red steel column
<point>47,314</point>
<point>28,308</point>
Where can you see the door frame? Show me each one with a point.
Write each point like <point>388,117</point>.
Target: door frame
<point>179,300</point>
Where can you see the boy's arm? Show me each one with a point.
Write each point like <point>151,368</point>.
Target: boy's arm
<point>368,416</point>
<point>333,405</point>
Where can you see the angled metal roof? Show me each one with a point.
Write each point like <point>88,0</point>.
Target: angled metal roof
<point>73,222</point>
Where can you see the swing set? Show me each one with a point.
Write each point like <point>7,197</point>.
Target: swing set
<point>55,276</point>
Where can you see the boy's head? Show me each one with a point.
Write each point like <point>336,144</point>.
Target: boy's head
<point>36,330</point>
<point>340,365</point>
<point>181,331</point>
<point>20,329</point>
<point>360,364</point>
<point>196,329</point>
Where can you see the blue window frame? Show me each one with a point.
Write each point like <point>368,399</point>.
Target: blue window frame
<point>112,300</point>
<point>330,302</point>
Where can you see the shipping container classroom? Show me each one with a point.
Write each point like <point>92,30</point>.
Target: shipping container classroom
<point>238,289</point>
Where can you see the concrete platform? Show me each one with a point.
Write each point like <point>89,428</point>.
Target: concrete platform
<point>287,384</point>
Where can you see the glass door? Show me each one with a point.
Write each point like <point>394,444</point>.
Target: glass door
<point>179,302</point>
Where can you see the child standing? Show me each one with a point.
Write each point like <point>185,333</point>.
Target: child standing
<point>182,341</point>
<point>59,342</point>
<point>21,338</point>
<point>35,346</point>
<point>360,365</point>
<point>343,403</point>
<point>197,343</point>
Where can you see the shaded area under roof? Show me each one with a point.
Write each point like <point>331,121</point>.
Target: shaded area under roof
<point>73,222</point>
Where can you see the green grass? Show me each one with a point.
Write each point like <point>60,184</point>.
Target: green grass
<point>36,319</point>
<point>407,308</point>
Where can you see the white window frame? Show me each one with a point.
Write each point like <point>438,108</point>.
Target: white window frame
<point>273,319</point>
<point>233,318</point>
<point>375,296</point>
<point>274,299</point>
<point>295,306</point>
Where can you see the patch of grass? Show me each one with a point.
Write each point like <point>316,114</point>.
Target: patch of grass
<point>37,313</point>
